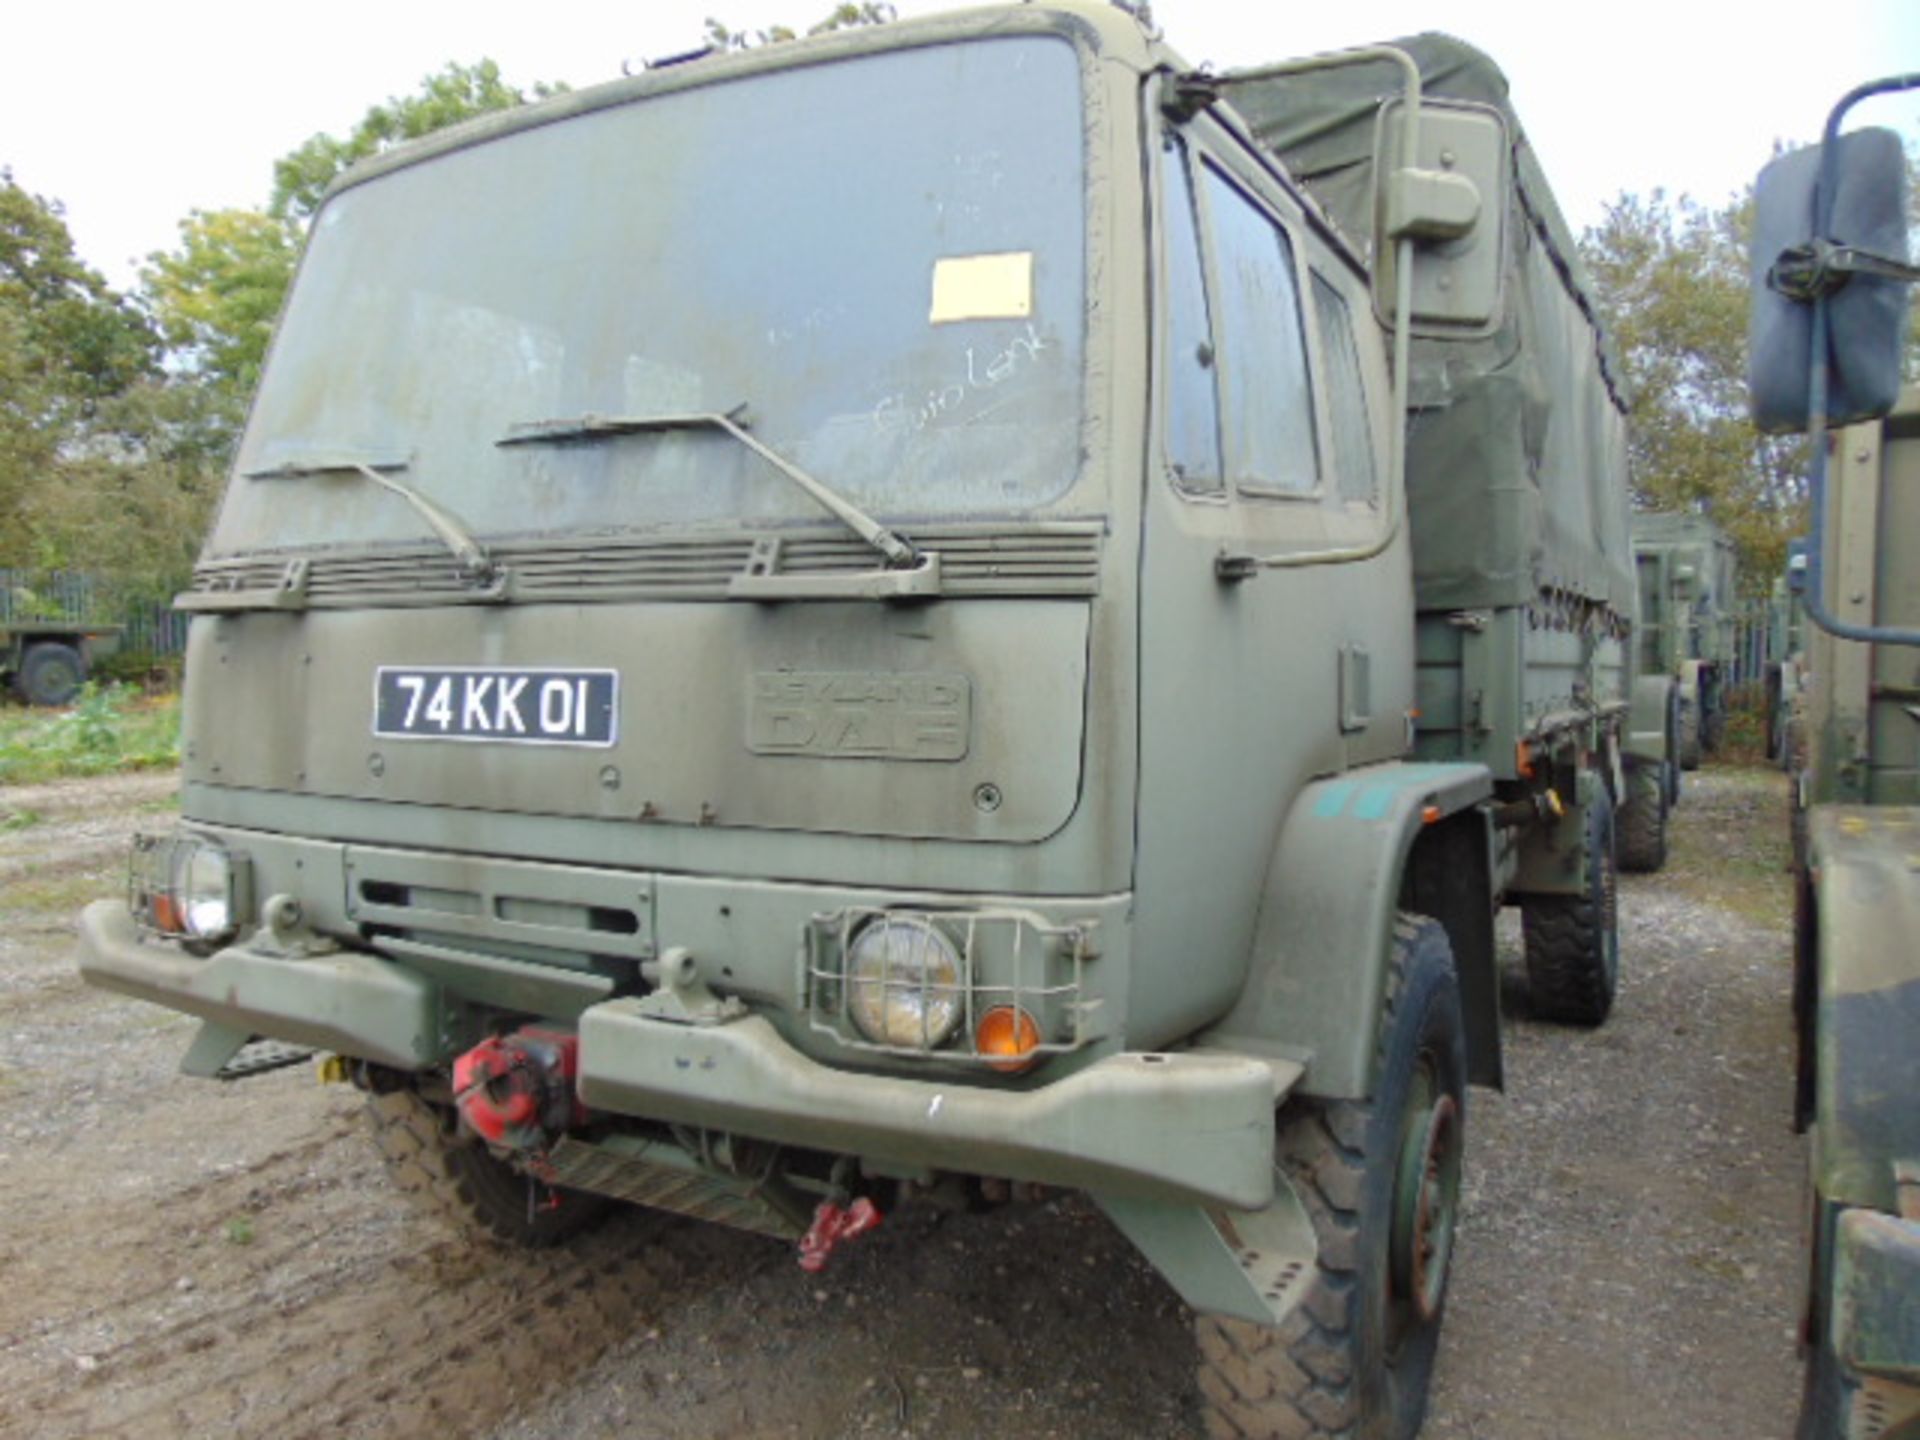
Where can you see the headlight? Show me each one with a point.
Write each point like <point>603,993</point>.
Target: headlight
<point>904,983</point>
<point>188,887</point>
<point>204,886</point>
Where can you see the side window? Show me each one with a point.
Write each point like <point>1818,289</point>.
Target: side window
<point>1267,407</point>
<point>1193,408</point>
<point>1346,396</point>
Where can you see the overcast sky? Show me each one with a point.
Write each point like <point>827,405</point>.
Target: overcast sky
<point>134,114</point>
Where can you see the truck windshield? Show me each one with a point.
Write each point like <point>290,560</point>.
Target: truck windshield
<point>886,254</point>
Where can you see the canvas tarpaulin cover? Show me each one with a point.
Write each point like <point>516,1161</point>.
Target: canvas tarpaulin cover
<point>1516,442</point>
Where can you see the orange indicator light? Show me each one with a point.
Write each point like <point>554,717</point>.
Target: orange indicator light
<point>1007,1030</point>
<point>166,915</point>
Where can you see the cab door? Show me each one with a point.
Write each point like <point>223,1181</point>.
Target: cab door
<point>1263,665</point>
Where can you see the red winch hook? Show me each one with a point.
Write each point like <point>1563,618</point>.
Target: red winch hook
<point>831,1225</point>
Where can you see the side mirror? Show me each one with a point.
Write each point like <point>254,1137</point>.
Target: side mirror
<point>1857,264</point>
<point>1453,204</point>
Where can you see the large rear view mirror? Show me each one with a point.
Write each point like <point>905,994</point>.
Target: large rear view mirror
<point>1856,263</point>
<point>1453,204</point>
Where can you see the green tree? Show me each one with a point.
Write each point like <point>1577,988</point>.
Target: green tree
<point>75,333</point>
<point>1670,278</point>
<point>459,92</point>
<point>129,505</point>
<point>845,16</point>
<point>217,295</point>
<point>69,344</point>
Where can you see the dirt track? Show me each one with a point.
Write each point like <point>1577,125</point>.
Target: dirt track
<point>193,1259</point>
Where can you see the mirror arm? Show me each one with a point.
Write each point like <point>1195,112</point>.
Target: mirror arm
<point>1819,267</point>
<point>1187,95</point>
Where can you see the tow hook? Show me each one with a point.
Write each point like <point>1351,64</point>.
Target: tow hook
<point>517,1091</point>
<point>831,1225</point>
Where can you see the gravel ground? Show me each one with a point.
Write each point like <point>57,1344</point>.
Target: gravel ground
<point>184,1258</point>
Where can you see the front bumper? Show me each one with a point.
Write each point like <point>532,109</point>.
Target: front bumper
<point>1196,1127</point>
<point>1187,1127</point>
<point>344,1001</point>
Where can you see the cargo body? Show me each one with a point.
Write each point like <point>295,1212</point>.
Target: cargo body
<point>950,692</point>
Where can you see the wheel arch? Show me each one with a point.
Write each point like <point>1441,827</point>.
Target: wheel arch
<point>1652,719</point>
<point>1354,851</point>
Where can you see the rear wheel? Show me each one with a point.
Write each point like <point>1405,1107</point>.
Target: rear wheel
<point>1643,819</point>
<point>51,673</point>
<point>1573,941</point>
<point>1381,1180</point>
<point>453,1176</point>
<point>1670,767</point>
<point>1689,748</point>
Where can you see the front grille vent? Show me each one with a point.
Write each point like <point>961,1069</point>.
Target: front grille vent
<point>1036,560</point>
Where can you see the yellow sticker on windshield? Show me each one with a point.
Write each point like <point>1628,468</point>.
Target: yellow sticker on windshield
<point>983,287</point>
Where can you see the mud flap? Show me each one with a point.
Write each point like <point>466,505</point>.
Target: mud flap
<point>1252,1265</point>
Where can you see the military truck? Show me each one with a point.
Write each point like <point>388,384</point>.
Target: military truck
<point>1688,619</point>
<point>931,610</point>
<point>1829,337</point>
<point>46,661</point>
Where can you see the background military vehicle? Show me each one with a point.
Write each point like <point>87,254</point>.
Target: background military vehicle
<point>1829,338</point>
<point>46,661</point>
<point>1689,618</point>
<point>986,610</point>
<point>1786,665</point>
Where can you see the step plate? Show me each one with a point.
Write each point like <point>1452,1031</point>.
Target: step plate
<point>261,1056</point>
<point>578,1165</point>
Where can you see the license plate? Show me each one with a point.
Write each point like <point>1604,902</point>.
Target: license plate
<point>518,706</point>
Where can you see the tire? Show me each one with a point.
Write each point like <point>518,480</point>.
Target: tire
<point>454,1177</point>
<point>1776,713</point>
<point>1573,941</point>
<point>1381,1180</point>
<point>1670,767</point>
<point>51,674</point>
<point>1643,820</point>
<point>1689,747</point>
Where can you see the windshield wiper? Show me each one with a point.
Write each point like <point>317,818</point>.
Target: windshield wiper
<point>475,563</point>
<point>900,554</point>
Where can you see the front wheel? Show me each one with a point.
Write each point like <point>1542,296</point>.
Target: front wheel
<point>1573,941</point>
<point>454,1177</point>
<point>1690,738</point>
<point>1381,1179</point>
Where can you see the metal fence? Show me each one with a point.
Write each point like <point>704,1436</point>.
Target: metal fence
<point>152,627</point>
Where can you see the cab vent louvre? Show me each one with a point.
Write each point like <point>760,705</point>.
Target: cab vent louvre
<point>1039,560</point>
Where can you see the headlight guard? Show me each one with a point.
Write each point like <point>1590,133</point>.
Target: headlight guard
<point>188,887</point>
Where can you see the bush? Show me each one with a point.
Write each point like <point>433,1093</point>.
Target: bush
<point>108,729</point>
<point>1745,740</point>
<point>150,672</point>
